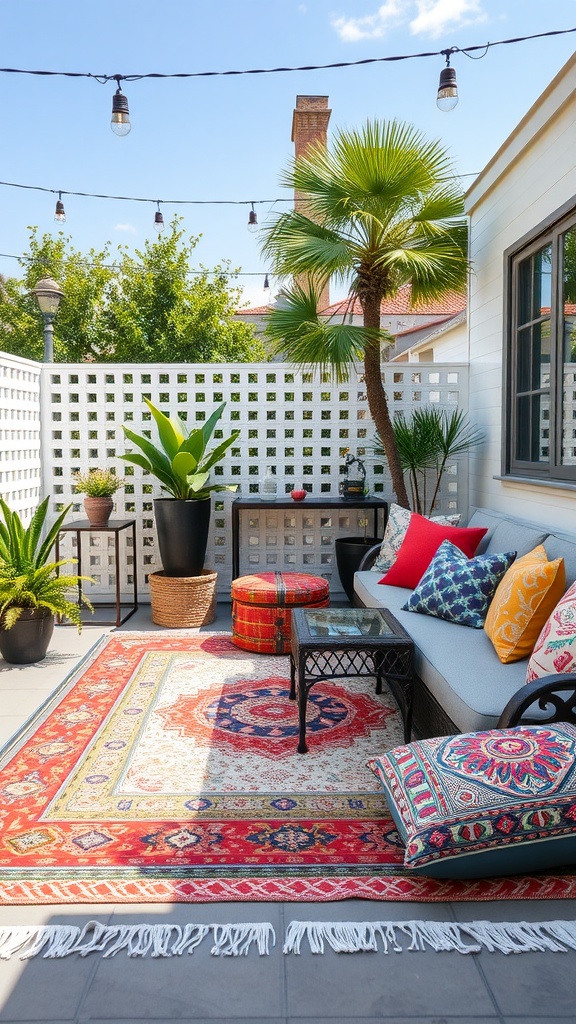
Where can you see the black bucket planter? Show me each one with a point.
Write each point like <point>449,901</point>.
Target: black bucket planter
<point>182,527</point>
<point>27,640</point>
<point>349,553</point>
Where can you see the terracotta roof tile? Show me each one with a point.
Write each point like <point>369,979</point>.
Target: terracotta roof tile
<point>452,303</point>
<point>255,311</point>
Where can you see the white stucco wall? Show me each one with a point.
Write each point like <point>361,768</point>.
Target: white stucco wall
<point>530,177</point>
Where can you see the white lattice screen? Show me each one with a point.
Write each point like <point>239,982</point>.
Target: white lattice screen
<point>296,422</point>
<point>20,461</point>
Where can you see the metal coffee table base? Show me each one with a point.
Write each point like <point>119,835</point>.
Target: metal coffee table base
<point>318,658</point>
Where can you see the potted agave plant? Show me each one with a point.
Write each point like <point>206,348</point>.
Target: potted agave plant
<point>98,486</point>
<point>181,462</point>
<point>32,590</point>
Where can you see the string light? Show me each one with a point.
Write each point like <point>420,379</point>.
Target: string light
<point>60,212</point>
<point>120,121</point>
<point>159,219</point>
<point>447,97</point>
<point>252,220</point>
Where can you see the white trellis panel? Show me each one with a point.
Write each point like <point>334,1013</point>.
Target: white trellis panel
<point>20,458</point>
<point>294,421</point>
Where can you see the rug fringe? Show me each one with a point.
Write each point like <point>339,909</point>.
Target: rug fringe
<point>441,936</point>
<point>166,940</point>
<point>156,940</point>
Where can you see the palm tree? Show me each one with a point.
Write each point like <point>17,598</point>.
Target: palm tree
<point>383,209</point>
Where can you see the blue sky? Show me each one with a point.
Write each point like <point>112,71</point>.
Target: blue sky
<point>227,138</point>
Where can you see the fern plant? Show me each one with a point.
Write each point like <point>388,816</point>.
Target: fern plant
<point>27,578</point>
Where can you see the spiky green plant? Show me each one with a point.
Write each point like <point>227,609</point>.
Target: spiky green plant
<point>27,578</point>
<point>425,442</point>
<point>181,462</point>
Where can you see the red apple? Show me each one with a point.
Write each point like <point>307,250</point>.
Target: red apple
<point>298,495</point>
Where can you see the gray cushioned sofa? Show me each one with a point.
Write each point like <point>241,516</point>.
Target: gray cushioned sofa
<point>461,684</point>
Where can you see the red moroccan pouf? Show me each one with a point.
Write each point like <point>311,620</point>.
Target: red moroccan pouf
<point>261,606</point>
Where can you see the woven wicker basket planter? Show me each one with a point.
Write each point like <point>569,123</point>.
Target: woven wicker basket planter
<point>180,601</point>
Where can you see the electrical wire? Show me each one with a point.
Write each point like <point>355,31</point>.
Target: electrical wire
<point>103,79</point>
<point>179,202</point>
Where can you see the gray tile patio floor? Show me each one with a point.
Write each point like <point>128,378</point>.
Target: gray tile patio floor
<point>428,988</point>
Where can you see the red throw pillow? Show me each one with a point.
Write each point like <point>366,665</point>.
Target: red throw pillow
<point>422,540</point>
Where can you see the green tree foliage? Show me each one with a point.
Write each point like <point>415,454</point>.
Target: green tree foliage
<point>382,210</point>
<point>140,307</point>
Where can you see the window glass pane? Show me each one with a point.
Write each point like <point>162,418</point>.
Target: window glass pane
<point>568,328</point>
<point>534,285</point>
<point>533,428</point>
<point>533,368</point>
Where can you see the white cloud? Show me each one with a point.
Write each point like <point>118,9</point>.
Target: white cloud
<point>129,228</point>
<point>436,16</point>
<point>371,26</point>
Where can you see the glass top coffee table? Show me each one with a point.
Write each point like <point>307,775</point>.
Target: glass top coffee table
<point>330,643</point>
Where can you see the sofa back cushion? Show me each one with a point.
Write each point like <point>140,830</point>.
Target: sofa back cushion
<point>560,546</point>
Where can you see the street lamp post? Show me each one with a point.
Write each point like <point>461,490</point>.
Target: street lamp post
<point>48,296</point>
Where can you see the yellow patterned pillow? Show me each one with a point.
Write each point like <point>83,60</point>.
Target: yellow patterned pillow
<point>522,603</point>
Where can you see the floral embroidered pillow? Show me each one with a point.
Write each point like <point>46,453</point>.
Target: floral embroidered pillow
<point>555,650</point>
<point>396,526</point>
<point>496,802</point>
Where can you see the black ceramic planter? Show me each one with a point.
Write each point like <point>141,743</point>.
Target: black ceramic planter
<point>27,640</point>
<point>182,527</point>
<point>349,553</point>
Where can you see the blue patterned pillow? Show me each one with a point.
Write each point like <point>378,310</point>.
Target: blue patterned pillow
<point>458,588</point>
<point>497,802</point>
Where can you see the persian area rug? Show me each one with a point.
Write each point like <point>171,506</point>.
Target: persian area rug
<point>165,770</point>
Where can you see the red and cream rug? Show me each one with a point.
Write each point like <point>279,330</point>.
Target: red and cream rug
<point>165,770</point>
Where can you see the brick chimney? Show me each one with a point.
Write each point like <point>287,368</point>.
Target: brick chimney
<point>310,125</point>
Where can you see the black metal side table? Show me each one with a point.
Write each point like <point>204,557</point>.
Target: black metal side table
<point>330,643</point>
<point>116,527</point>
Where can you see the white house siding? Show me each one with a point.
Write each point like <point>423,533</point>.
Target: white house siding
<point>532,176</point>
<point>449,346</point>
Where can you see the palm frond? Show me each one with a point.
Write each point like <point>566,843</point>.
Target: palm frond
<point>296,331</point>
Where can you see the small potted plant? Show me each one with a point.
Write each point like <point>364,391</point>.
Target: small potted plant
<point>32,590</point>
<point>98,485</point>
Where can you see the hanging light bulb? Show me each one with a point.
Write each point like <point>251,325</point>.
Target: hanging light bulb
<point>252,220</point>
<point>60,212</point>
<point>266,283</point>
<point>447,88</point>
<point>120,121</point>
<point>158,219</point>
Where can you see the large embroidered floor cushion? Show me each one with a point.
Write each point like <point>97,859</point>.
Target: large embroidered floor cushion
<point>522,603</point>
<point>500,802</point>
<point>262,607</point>
<point>396,525</point>
<point>555,649</point>
<point>458,588</point>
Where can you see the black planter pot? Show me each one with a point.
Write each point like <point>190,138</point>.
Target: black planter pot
<point>27,640</point>
<point>349,553</point>
<point>182,527</point>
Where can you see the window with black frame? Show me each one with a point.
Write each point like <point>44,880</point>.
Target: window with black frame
<point>541,363</point>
